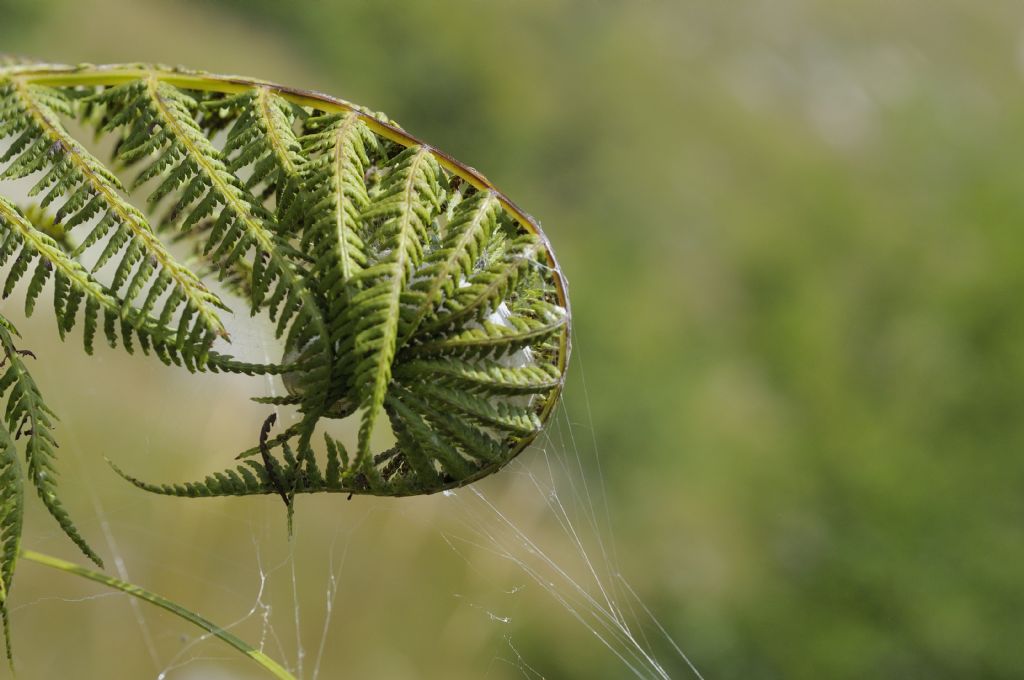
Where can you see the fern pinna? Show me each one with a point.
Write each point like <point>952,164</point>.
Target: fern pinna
<point>405,289</point>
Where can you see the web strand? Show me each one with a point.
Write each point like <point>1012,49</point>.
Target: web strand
<point>603,602</point>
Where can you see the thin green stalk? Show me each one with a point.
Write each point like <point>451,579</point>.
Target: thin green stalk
<point>135,591</point>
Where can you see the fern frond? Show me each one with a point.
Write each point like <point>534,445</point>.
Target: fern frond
<point>519,420</point>
<point>467,234</point>
<point>27,415</point>
<point>484,291</point>
<point>436,446</point>
<point>12,511</point>
<point>336,195</point>
<point>251,478</point>
<point>474,442</point>
<point>74,285</point>
<point>496,339</point>
<point>225,364</point>
<point>405,204</point>
<point>415,441</point>
<point>160,122</point>
<point>263,138</point>
<point>486,376</point>
<point>88,189</point>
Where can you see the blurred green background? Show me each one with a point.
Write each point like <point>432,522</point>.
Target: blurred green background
<point>792,231</point>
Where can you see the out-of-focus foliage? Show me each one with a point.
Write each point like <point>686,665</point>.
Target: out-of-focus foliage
<point>793,236</point>
<point>19,15</point>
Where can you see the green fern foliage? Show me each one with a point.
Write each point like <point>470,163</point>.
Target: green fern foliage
<point>71,177</point>
<point>12,502</point>
<point>27,417</point>
<point>407,293</point>
<point>263,138</point>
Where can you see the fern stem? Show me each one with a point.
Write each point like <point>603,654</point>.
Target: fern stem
<point>135,591</point>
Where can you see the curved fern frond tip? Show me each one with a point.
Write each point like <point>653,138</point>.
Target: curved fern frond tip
<point>405,289</point>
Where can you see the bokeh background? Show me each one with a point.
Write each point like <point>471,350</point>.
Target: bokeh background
<point>792,230</point>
